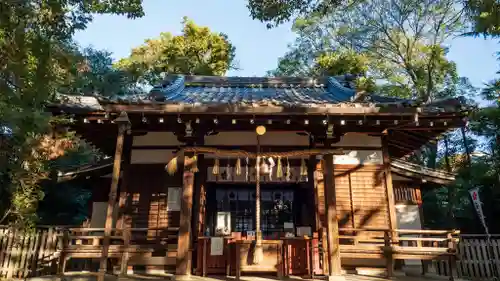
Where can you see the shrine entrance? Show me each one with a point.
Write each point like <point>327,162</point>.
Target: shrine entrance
<point>231,209</point>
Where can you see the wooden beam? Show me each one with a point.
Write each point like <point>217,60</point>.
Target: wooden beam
<point>335,272</point>
<point>123,125</point>
<point>238,109</point>
<point>264,148</point>
<point>184,244</point>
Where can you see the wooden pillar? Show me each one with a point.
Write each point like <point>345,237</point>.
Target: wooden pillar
<point>451,217</point>
<point>123,126</point>
<point>183,264</point>
<point>122,202</point>
<point>199,183</point>
<point>123,216</point>
<point>391,203</point>
<point>312,185</point>
<point>332,224</point>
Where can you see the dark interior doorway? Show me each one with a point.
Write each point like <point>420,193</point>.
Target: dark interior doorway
<point>280,203</point>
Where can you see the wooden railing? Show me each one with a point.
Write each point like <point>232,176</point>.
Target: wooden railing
<point>400,244</point>
<point>306,256</point>
<point>133,246</point>
<point>50,248</point>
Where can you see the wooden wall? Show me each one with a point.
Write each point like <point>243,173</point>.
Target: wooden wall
<point>361,196</point>
<point>147,196</point>
<point>361,202</point>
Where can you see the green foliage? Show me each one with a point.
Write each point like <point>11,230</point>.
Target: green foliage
<point>484,15</point>
<point>92,73</point>
<point>275,12</point>
<point>196,51</point>
<point>372,38</point>
<point>34,41</point>
<point>341,62</point>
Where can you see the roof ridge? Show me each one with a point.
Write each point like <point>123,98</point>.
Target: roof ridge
<point>242,80</point>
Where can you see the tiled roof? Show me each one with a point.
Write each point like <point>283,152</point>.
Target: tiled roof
<point>409,169</point>
<point>285,91</point>
<point>214,91</point>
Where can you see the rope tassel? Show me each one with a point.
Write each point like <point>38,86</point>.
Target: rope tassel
<point>303,167</point>
<point>271,167</point>
<point>247,176</point>
<point>228,171</point>
<point>288,173</point>
<point>194,166</point>
<point>279,169</point>
<point>215,169</point>
<point>172,166</point>
<point>238,167</point>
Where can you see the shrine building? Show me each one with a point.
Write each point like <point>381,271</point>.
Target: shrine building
<point>234,175</point>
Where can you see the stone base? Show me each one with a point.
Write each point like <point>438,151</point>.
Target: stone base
<point>181,278</point>
<point>335,278</point>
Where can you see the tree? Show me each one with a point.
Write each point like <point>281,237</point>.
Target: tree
<point>93,73</point>
<point>401,43</point>
<point>34,36</point>
<point>196,51</point>
<point>483,14</point>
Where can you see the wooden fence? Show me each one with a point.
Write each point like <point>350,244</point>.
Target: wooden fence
<point>479,259</point>
<point>26,254</point>
<point>36,253</point>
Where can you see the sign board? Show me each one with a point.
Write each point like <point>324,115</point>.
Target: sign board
<point>250,233</point>
<point>174,199</point>
<point>216,246</point>
<point>304,231</point>
<point>223,226</point>
<point>474,194</point>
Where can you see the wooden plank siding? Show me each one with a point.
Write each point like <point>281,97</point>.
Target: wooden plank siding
<point>361,196</point>
<point>147,198</point>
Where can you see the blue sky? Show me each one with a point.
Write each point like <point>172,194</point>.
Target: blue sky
<point>257,48</point>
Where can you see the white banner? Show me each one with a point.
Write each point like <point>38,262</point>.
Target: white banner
<point>174,199</point>
<point>474,193</point>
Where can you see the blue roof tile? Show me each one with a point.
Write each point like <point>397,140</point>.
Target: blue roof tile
<point>285,91</point>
